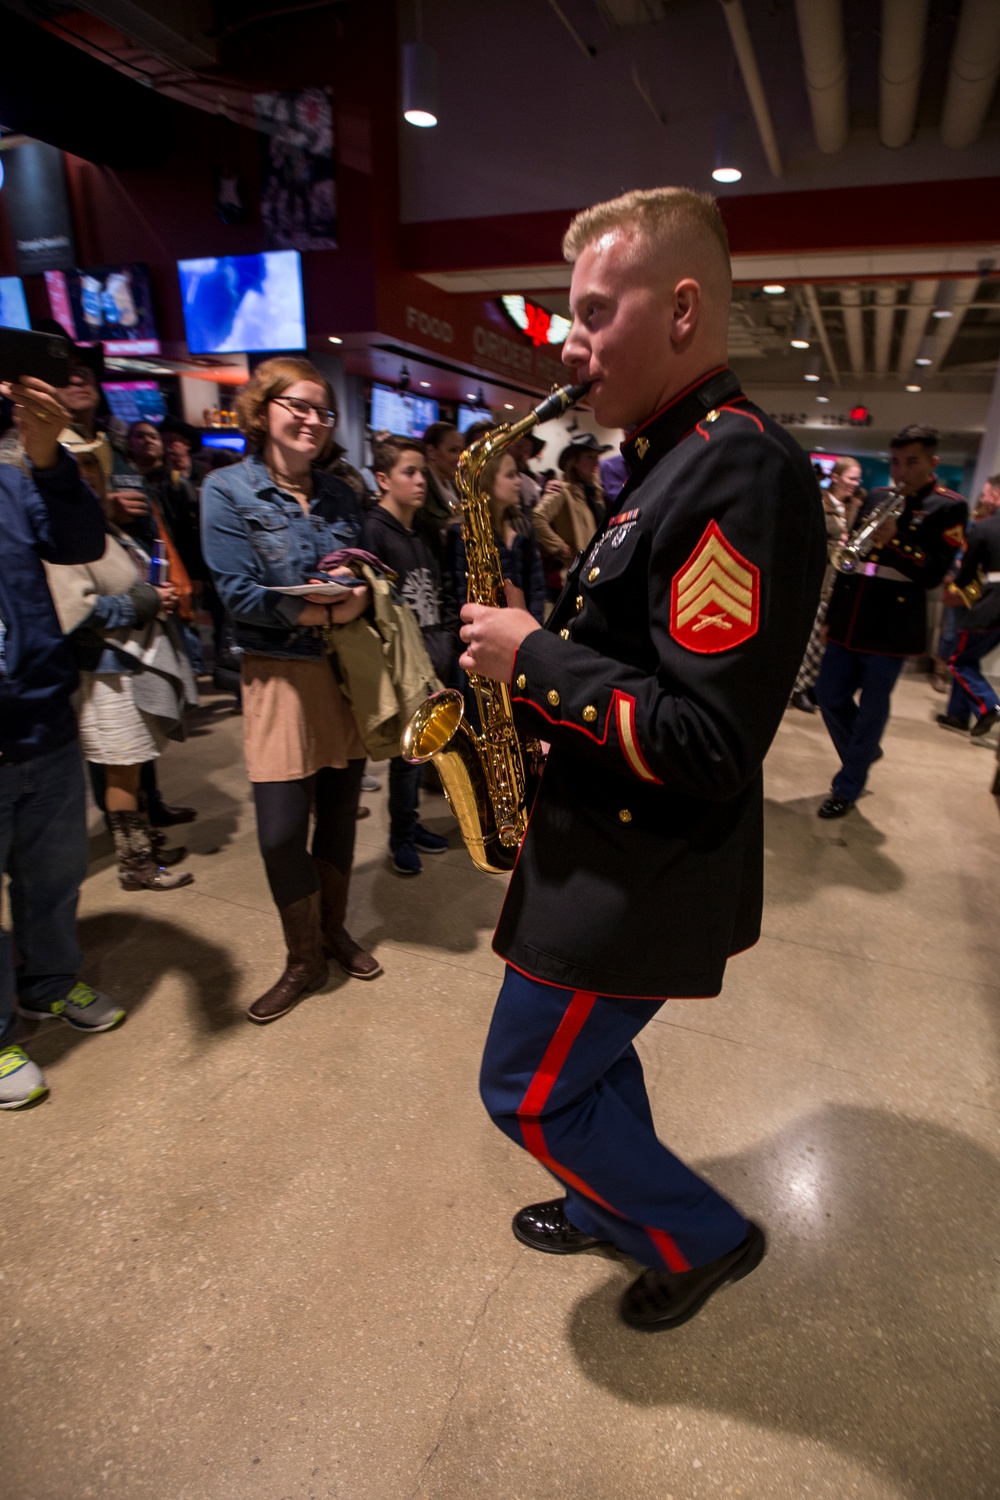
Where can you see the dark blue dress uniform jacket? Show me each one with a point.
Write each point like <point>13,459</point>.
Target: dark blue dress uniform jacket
<point>659,682</point>
<point>887,614</point>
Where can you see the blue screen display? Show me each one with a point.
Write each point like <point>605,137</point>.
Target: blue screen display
<point>469,415</point>
<point>243,304</point>
<point>401,413</point>
<point>234,441</point>
<point>13,308</point>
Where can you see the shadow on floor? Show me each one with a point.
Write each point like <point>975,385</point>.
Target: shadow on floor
<point>868,1327</point>
<point>805,853</point>
<point>464,902</point>
<point>127,956</point>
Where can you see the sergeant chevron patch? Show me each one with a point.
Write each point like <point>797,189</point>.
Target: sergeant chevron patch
<point>715,598</point>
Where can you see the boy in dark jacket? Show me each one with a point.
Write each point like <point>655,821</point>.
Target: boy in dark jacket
<point>401,474</point>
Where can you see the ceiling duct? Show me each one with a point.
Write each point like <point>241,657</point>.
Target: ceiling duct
<point>850,306</point>
<point>920,301</point>
<point>821,33</point>
<point>975,64</point>
<point>746,57</point>
<point>180,32</point>
<point>901,65</point>
<point>885,317</point>
<point>815,312</point>
<point>961,294</point>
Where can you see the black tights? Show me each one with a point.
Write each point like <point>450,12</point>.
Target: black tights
<point>283,809</point>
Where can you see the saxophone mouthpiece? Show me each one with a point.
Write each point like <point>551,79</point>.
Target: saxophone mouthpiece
<point>561,400</point>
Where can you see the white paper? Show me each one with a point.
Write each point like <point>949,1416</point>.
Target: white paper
<point>321,590</point>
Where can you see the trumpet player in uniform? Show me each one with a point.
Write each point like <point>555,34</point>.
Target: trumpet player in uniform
<point>877,615</point>
<point>659,682</point>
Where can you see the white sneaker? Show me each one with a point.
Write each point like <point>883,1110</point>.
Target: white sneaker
<point>370,783</point>
<point>21,1080</point>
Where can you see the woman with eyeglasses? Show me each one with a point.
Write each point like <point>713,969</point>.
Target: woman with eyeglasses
<point>266,523</point>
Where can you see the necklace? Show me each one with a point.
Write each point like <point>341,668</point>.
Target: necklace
<point>284,483</point>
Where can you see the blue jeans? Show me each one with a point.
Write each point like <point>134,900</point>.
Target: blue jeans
<point>404,800</point>
<point>855,727</point>
<point>971,693</point>
<point>562,1078</point>
<point>43,848</point>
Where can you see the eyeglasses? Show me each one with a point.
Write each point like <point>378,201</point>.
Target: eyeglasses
<point>304,409</point>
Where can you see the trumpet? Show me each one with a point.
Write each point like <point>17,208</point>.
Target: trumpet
<point>849,554</point>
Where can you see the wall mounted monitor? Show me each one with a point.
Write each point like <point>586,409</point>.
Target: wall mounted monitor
<point>243,304</point>
<point>825,462</point>
<point>399,412</point>
<point>109,305</point>
<point>234,441</point>
<point>13,308</point>
<point>469,415</point>
<point>135,400</point>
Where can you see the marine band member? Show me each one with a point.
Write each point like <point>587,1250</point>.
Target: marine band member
<point>659,681</point>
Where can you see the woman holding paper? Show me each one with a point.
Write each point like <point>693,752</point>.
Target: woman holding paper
<point>266,522</point>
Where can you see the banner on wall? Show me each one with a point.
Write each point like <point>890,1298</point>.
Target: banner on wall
<point>298,192</point>
<point>38,208</point>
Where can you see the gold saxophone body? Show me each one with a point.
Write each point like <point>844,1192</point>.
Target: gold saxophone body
<point>849,554</point>
<point>482,774</point>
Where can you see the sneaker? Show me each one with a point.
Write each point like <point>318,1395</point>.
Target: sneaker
<point>21,1080</point>
<point>984,723</point>
<point>406,860</point>
<point>84,1009</point>
<point>429,843</point>
<point>370,783</point>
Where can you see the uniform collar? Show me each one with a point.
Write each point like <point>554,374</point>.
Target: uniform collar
<point>665,428</point>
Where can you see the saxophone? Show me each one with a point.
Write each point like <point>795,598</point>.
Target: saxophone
<point>482,774</point>
<point>849,554</point>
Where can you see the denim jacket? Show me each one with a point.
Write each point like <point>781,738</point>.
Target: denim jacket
<point>256,538</point>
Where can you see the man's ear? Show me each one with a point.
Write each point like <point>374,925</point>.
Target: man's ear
<point>687,310</point>
<point>381,479</point>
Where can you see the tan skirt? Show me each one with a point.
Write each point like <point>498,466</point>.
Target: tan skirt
<point>295,719</point>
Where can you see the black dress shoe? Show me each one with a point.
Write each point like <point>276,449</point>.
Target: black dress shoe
<point>984,723</point>
<point>544,1226</point>
<point>834,807</point>
<point>803,702</point>
<point>666,1299</point>
<point>952,721</point>
<point>162,815</point>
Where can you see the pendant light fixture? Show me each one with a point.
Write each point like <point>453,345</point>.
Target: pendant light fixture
<point>420,79</point>
<point>814,368</point>
<point>925,354</point>
<point>800,332</point>
<point>727,168</point>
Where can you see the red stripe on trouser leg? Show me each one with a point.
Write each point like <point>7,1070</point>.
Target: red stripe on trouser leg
<point>963,641</point>
<point>536,1097</point>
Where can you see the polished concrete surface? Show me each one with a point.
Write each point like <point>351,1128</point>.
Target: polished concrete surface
<point>251,1264</point>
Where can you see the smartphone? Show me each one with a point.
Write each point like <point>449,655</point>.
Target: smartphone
<point>42,355</point>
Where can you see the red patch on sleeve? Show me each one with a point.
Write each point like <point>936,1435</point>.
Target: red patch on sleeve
<point>955,535</point>
<point>715,598</point>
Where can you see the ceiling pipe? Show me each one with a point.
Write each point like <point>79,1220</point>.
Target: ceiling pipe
<point>824,55</point>
<point>975,64</point>
<point>885,317</point>
<point>962,294</point>
<point>739,33</point>
<point>816,313</point>
<point>901,66</point>
<point>920,301</point>
<point>850,306</point>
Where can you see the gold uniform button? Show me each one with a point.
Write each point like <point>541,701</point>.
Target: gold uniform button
<point>553,697</point>
<point>521,681</point>
<point>590,713</point>
<point>564,635</point>
<point>579,603</point>
<point>713,415</point>
<point>625,815</point>
<point>592,574</point>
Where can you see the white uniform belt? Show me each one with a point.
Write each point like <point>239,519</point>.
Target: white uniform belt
<point>993,578</point>
<point>879,570</point>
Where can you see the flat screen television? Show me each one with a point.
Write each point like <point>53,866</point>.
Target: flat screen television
<point>109,305</point>
<point>135,400</point>
<point>13,308</point>
<point>243,304</point>
<point>469,415</point>
<point>399,412</point>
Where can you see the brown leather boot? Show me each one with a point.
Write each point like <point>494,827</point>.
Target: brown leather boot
<point>337,941</point>
<point>305,968</point>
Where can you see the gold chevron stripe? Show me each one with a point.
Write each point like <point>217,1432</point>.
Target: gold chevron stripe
<point>628,744</point>
<point>714,575</point>
<point>714,593</point>
<point>714,551</point>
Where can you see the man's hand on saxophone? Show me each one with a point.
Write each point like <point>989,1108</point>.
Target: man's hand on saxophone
<point>493,636</point>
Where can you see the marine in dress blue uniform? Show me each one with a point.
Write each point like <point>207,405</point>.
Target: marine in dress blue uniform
<point>972,694</point>
<point>877,617</point>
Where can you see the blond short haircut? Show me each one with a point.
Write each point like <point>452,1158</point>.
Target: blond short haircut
<point>659,215</point>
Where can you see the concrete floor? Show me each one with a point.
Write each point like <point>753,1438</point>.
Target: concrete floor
<point>251,1264</point>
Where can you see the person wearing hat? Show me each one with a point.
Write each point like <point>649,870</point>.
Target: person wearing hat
<point>528,446</point>
<point>571,509</point>
<point>82,398</point>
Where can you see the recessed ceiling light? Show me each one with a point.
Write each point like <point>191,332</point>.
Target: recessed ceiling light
<point>426,384</point>
<point>727,174</point>
<point>470,395</point>
<point>334,339</point>
<point>824,399</point>
<point>774,289</point>
<point>914,387</point>
<point>508,406</point>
